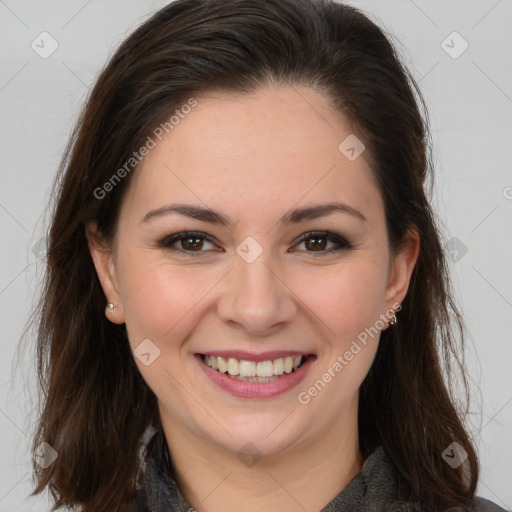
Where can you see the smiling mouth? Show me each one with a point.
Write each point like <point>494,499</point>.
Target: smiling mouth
<point>252,371</point>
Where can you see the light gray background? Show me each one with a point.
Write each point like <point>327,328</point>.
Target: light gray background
<point>470,102</point>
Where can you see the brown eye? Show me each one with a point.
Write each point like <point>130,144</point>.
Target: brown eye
<point>192,243</point>
<point>189,242</point>
<point>318,241</point>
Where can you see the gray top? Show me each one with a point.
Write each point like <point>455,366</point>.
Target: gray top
<point>374,489</point>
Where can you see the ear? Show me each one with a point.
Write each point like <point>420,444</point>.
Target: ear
<point>103,259</point>
<point>400,269</point>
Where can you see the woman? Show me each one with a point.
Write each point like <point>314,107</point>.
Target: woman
<point>246,287</point>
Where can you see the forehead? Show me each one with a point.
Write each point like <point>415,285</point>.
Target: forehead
<point>263,151</point>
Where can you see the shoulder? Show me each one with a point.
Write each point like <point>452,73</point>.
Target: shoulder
<point>380,469</point>
<point>483,505</point>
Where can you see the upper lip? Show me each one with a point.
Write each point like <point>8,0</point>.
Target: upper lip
<point>252,356</point>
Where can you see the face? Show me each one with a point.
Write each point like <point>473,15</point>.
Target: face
<point>267,282</point>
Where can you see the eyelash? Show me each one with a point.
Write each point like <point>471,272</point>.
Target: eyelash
<point>341,243</point>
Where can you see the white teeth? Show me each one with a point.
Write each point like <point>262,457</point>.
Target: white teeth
<point>265,369</point>
<point>256,379</point>
<point>247,368</point>
<point>233,366</point>
<point>278,366</point>
<point>252,371</point>
<point>223,364</point>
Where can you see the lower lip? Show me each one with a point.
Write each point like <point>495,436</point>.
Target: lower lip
<point>243,389</point>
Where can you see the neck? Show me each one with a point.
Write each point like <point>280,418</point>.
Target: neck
<point>305,476</point>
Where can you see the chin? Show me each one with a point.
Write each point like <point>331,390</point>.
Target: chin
<point>254,434</point>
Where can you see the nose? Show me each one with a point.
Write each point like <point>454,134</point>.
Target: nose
<point>256,299</point>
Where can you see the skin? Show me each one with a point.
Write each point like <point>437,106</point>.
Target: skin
<point>253,158</point>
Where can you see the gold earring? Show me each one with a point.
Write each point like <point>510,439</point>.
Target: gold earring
<point>392,320</point>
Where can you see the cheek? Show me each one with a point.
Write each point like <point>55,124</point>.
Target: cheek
<point>160,300</point>
<point>162,303</point>
<point>348,298</point>
<point>349,302</point>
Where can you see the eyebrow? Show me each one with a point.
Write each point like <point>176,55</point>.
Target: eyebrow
<point>292,217</point>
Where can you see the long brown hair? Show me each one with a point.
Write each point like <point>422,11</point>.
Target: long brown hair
<point>95,404</point>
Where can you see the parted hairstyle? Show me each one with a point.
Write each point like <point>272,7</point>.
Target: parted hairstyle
<point>94,403</point>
